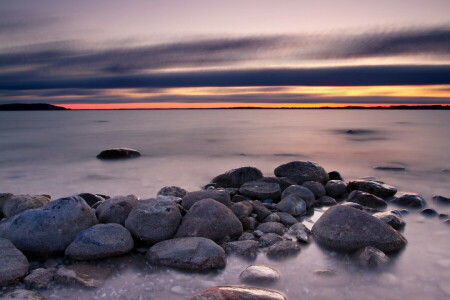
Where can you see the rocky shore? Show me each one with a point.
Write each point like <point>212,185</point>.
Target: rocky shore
<point>240,212</point>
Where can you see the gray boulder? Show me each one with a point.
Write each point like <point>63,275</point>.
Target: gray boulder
<point>172,191</point>
<point>153,220</point>
<point>191,198</point>
<point>292,204</point>
<point>19,203</point>
<point>49,230</point>
<point>13,264</point>
<point>315,187</point>
<point>441,199</point>
<point>411,200</point>
<point>259,274</point>
<point>244,248</point>
<point>366,199</point>
<point>238,293</point>
<point>335,188</point>
<point>272,227</point>
<point>371,257</point>
<point>302,192</point>
<point>190,253</point>
<point>376,188</point>
<point>101,241</point>
<point>301,171</point>
<point>283,182</point>
<point>116,209</point>
<point>117,153</point>
<point>261,190</point>
<point>237,177</point>
<point>210,219</point>
<point>344,228</point>
<point>391,219</point>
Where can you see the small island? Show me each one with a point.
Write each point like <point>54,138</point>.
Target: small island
<point>30,106</point>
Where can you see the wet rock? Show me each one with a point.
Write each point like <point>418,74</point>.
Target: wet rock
<point>49,230</point>
<point>316,188</point>
<point>292,204</point>
<point>335,175</point>
<point>335,188</point>
<point>13,264</point>
<point>273,217</point>
<point>390,168</point>
<point>191,253</point>
<point>153,220</point>
<point>366,199</point>
<point>409,200</point>
<point>23,295</point>
<point>116,209</point>
<point>286,219</point>
<point>172,191</point>
<point>429,212</point>
<point>85,275</point>
<point>258,233</point>
<point>247,236</point>
<point>371,257</point>
<point>325,272</point>
<point>40,278</point>
<point>238,293</point>
<point>441,199</point>
<point>100,241</point>
<point>300,231</point>
<point>283,182</point>
<point>249,223</point>
<point>3,198</point>
<point>447,222</point>
<point>260,210</point>
<point>247,248</point>
<point>218,195</point>
<point>173,199</point>
<point>242,209</point>
<point>283,249</point>
<point>259,274</point>
<point>210,219</point>
<point>302,192</point>
<point>260,190</point>
<point>117,153</point>
<point>353,205</point>
<point>19,203</point>
<point>91,199</point>
<point>391,219</point>
<point>232,191</point>
<point>239,198</point>
<point>443,216</point>
<point>272,227</point>
<point>376,188</point>
<point>326,201</point>
<point>269,239</point>
<point>301,171</point>
<point>237,177</point>
<point>343,228</point>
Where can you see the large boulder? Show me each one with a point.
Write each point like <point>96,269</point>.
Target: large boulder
<point>371,257</point>
<point>292,204</point>
<point>238,293</point>
<point>210,219</point>
<point>116,209</point>
<point>376,188</point>
<point>237,177</point>
<point>411,200</point>
<point>301,171</point>
<point>190,253</point>
<point>391,219</point>
<point>116,153</point>
<point>336,188</point>
<point>221,196</point>
<point>101,241</point>
<point>153,220</point>
<point>347,229</point>
<point>366,199</point>
<point>82,274</point>
<point>49,230</point>
<point>302,192</point>
<point>261,190</point>
<point>18,203</point>
<point>13,264</point>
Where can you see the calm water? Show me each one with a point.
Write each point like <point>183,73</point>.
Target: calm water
<point>54,153</point>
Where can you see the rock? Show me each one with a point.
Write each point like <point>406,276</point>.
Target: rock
<point>260,210</point>
<point>246,248</point>
<point>247,236</point>
<point>258,233</point>
<point>336,188</point>
<point>116,209</point>
<point>366,199</point>
<point>300,232</point>
<point>391,219</point>
<point>210,219</point>
<point>286,219</point>
<point>40,278</point>
<point>283,182</point>
<point>292,204</point>
<point>23,295</point>
<point>116,153</point>
<point>371,257</point>
<point>353,205</point>
<point>85,275</point>
<point>191,253</point>
<point>273,217</point>
<point>376,188</point>
<point>443,216</point>
<point>301,171</point>
<point>260,190</point>
<point>335,175</point>
<point>259,274</point>
<point>343,228</point>
<point>316,188</point>
<point>447,222</point>
<point>153,220</point>
<point>238,293</point>
<point>49,230</point>
<point>91,199</point>
<point>326,201</point>
<point>325,272</point>
<point>3,198</point>
<point>269,239</point>
<point>13,264</point>
<point>218,195</point>
<point>100,241</point>
<point>19,203</point>
<point>239,198</point>
<point>172,191</point>
<point>272,227</point>
<point>237,177</point>
<point>302,192</point>
<point>409,200</point>
<point>242,209</point>
<point>429,212</point>
<point>172,199</point>
<point>249,223</point>
<point>232,191</point>
<point>441,199</point>
<point>389,168</point>
<point>283,249</point>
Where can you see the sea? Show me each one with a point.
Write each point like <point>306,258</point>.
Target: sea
<point>54,153</point>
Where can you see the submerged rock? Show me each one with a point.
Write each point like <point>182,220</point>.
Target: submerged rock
<point>19,203</point>
<point>371,257</point>
<point>283,249</point>
<point>246,248</point>
<point>343,228</point>
<point>23,295</point>
<point>116,209</point>
<point>409,200</point>
<point>292,204</point>
<point>336,188</point>
<point>13,264</point>
<point>116,153</point>
<point>259,274</point>
<point>218,195</point>
<point>40,278</point>
<point>301,171</point>
<point>441,199</point>
<point>366,199</point>
<point>429,212</point>
<point>191,253</point>
<point>237,177</point>
<point>172,191</point>
<point>85,275</point>
<point>238,293</point>
<point>376,188</point>
<point>260,190</point>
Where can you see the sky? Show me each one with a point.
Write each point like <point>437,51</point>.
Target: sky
<point>207,53</point>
